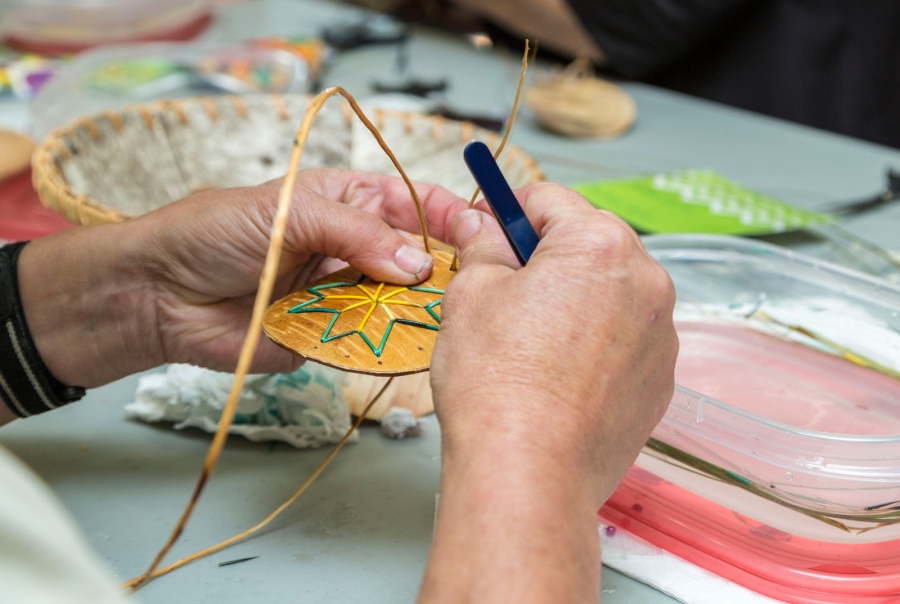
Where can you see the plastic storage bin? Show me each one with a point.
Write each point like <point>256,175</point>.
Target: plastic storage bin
<point>65,26</point>
<point>114,76</point>
<point>777,464</point>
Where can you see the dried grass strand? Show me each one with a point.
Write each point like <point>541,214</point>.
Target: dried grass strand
<point>133,583</point>
<point>454,263</point>
<point>263,295</point>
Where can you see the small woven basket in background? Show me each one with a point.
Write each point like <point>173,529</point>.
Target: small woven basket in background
<point>116,165</point>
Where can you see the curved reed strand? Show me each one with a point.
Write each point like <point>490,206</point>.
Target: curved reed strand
<point>454,263</point>
<point>133,583</point>
<point>263,295</point>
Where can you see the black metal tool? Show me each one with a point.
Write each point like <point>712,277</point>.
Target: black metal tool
<point>890,193</point>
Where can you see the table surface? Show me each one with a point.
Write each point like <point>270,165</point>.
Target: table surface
<point>362,532</point>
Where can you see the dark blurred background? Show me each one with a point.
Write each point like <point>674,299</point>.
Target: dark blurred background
<point>831,64</point>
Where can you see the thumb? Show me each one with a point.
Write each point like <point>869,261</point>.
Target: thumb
<point>480,240</point>
<point>365,242</point>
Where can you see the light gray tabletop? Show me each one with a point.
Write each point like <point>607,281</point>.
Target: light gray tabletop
<point>362,532</point>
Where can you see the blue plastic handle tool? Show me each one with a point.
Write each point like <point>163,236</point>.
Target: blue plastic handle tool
<point>506,208</point>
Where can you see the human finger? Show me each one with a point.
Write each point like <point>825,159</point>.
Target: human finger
<point>481,241</point>
<point>548,204</point>
<point>364,241</point>
<point>387,197</point>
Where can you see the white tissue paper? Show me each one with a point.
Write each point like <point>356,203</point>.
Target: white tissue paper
<point>684,581</point>
<point>305,408</point>
<point>399,423</point>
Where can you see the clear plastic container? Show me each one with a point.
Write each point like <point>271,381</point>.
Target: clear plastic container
<point>114,76</point>
<point>777,464</point>
<point>66,26</point>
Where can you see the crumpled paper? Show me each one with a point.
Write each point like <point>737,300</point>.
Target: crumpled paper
<point>305,408</point>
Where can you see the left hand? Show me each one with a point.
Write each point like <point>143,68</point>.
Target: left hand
<point>177,285</point>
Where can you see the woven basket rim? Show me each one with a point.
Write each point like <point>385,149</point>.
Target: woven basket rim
<point>55,192</point>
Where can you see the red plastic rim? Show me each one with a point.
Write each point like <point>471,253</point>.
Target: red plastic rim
<point>182,33</point>
<point>761,558</point>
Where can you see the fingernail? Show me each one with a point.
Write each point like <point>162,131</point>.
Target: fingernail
<point>413,260</point>
<point>466,224</point>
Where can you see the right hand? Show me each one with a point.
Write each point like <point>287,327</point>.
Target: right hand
<point>570,358</point>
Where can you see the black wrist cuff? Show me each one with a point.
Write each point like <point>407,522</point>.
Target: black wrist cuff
<point>25,383</point>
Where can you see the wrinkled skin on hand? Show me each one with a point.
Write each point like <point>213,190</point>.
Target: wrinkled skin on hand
<point>576,347</point>
<point>547,380</point>
<point>177,285</point>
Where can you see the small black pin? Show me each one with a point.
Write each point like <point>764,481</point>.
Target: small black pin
<point>238,561</point>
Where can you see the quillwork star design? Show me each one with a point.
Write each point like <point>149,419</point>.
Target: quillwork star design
<point>359,298</point>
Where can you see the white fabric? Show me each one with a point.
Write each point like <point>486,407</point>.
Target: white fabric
<point>305,408</point>
<point>686,582</point>
<point>43,557</point>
